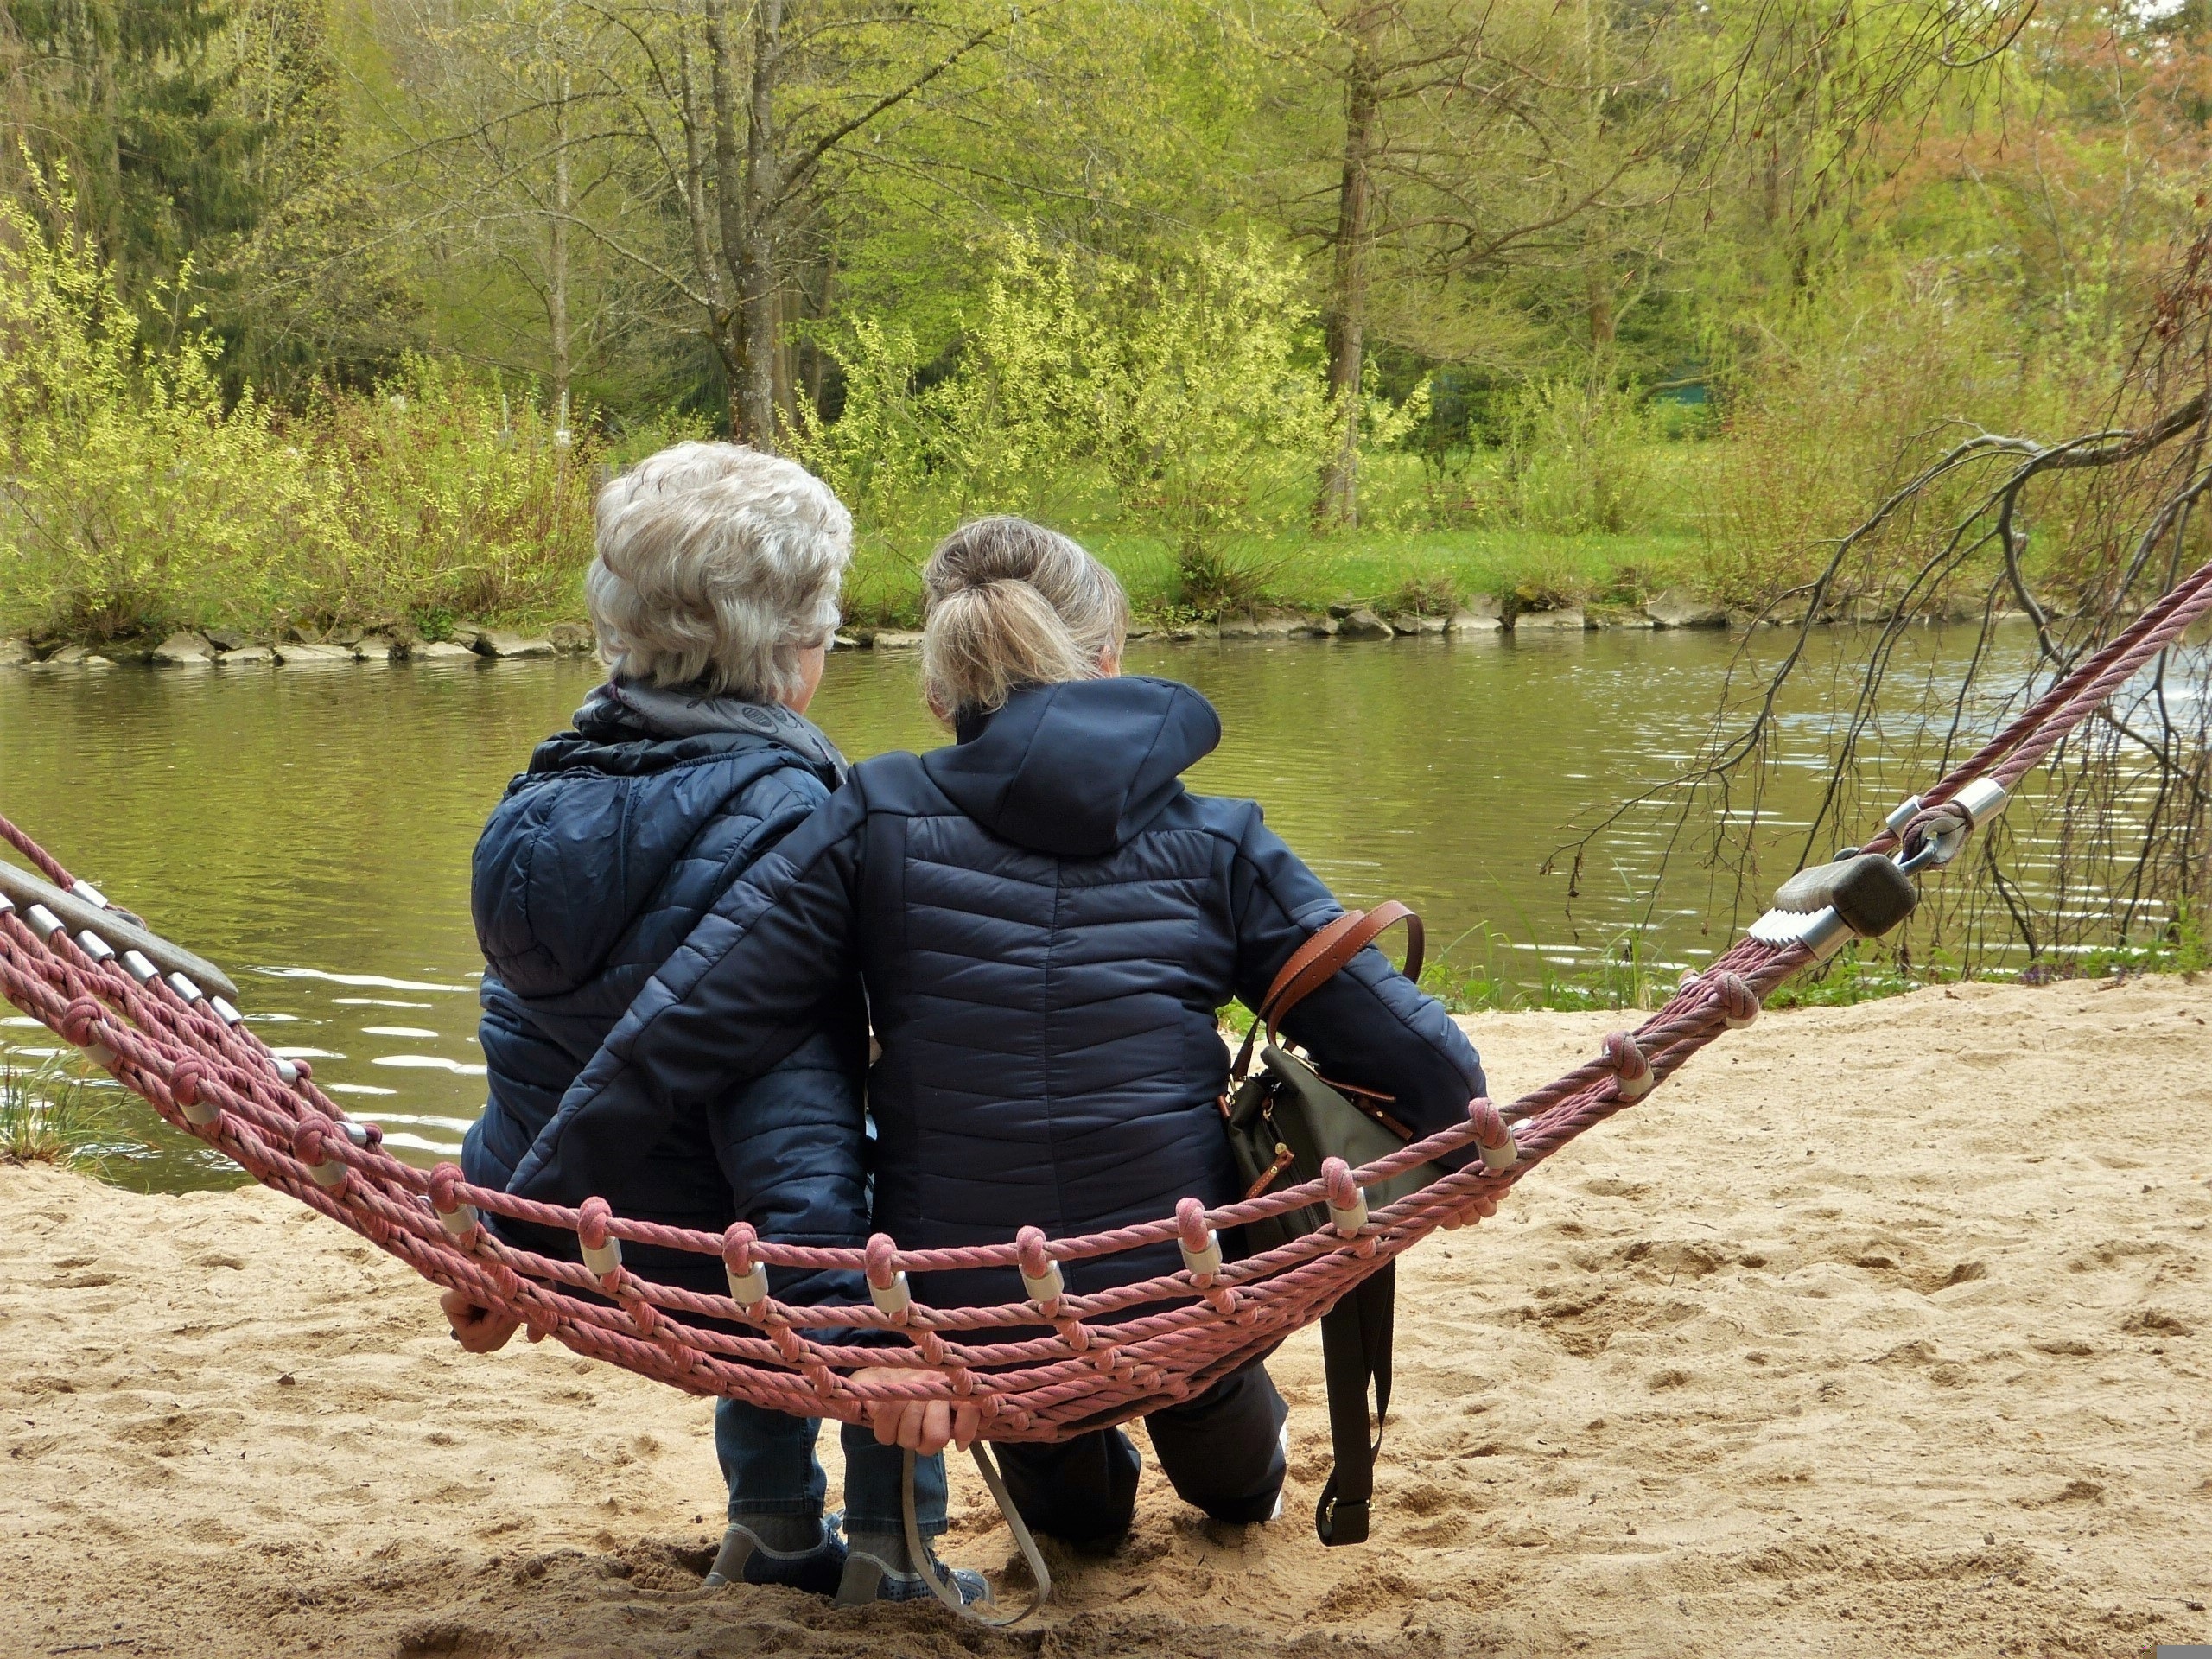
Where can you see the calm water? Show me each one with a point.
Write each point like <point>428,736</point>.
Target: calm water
<point>309,829</point>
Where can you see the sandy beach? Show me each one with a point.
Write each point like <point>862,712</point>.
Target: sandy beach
<point>1883,1330</point>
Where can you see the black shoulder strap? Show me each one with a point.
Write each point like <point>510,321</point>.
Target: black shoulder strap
<point>1356,1348</point>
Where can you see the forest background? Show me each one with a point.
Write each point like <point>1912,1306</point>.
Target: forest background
<point>328,312</point>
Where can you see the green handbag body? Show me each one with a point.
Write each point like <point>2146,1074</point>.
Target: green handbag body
<point>1283,1121</point>
<point>1285,1118</point>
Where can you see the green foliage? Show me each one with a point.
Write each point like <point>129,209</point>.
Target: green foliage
<point>1217,419</point>
<point>215,172</point>
<point>451,496</point>
<point>1865,971</point>
<point>130,97</point>
<point>2180,947</point>
<point>1620,979</point>
<point>1189,394</point>
<point>137,501</point>
<point>311,293</point>
<point>1858,975</point>
<point>1867,382</point>
<point>338,195</point>
<point>1578,458</point>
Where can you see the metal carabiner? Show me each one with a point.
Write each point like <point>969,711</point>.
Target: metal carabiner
<point>1935,851</point>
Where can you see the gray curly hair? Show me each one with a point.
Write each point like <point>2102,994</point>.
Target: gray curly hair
<point>716,565</point>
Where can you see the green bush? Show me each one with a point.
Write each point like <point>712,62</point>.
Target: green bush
<point>1860,389</point>
<point>454,499</point>
<point>133,500</point>
<point>1578,458</point>
<point>1186,401</point>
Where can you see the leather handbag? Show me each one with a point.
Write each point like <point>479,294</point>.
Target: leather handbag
<point>1284,1118</point>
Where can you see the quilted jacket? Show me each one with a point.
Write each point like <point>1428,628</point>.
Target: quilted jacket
<point>599,861</point>
<point>1047,923</point>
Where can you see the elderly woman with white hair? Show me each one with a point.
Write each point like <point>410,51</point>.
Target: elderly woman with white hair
<point>714,596</point>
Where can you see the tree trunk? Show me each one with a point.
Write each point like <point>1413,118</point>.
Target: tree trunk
<point>733,223</point>
<point>1337,501</point>
<point>756,283</point>
<point>557,288</point>
<point>1600,297</point>
<point>789,308</point>
<point>816,358</point>
<point>712,275</point>
<point>1597,244</point>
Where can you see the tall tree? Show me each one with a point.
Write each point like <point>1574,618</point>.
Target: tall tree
<point>131,97</point>
<point>211,138</point>
<point>737,124</point>
<point>1476,136</point>
<point>1490,146</point>
<point>317,289</point>
<point>505,158</point>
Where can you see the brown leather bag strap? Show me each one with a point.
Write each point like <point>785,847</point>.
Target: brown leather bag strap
<point>1320,950</point>
<point>1338,943</point>
<point>1321,958</point>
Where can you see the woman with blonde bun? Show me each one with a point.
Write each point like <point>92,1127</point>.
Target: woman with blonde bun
<point>1046,921</point>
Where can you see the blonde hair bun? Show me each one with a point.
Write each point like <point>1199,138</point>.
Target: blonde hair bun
<point>1007,603</point>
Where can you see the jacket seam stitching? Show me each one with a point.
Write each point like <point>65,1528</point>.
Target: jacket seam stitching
<point>1051,1035</point>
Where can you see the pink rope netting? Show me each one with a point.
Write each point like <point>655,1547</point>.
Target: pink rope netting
<point>1040,1368</point>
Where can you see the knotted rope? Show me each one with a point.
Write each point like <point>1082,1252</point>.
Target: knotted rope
<point>1040,1368</point>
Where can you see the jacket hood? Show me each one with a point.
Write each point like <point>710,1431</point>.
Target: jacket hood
<point>621,713</point>
<point>585,839</point>
<point>1077,769</point>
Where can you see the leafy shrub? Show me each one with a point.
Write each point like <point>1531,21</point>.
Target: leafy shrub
<point>1578,457</point>
<point>133,500</point>
<point>1550,579</point>
<point>1428,592</point>
<point>1193,394</point>
<point>1857,391</point>
<point>451,496</point>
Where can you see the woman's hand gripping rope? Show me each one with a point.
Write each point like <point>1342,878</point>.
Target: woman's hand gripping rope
<point>924,1426</point>
<point>475,1327</point>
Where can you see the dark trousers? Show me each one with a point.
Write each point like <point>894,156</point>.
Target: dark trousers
<point>1222,1452</point>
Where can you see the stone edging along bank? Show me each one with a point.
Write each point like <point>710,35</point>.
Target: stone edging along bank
<point>219,650</point>
<point>1481,616</point>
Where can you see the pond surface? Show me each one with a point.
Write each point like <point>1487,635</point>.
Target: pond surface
<point>309,829</point>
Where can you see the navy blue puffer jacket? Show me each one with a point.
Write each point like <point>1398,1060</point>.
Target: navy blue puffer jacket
<point>1047,923</point>
<point>592,871</point>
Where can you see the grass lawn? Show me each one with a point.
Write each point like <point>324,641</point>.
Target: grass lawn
<point>1398,559</point>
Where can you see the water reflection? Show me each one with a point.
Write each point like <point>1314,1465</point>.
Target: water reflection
<point>312,833</point>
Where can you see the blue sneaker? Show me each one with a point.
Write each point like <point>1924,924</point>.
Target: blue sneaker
<point>743,1558</point>
<point>878,1569</point>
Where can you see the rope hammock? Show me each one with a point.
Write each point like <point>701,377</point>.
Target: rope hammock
<point>1102,1358</point>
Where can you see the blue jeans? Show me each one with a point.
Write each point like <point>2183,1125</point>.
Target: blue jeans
<point>768,1463</point>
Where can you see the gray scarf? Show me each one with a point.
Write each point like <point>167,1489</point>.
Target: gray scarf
<point>686,711</point>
